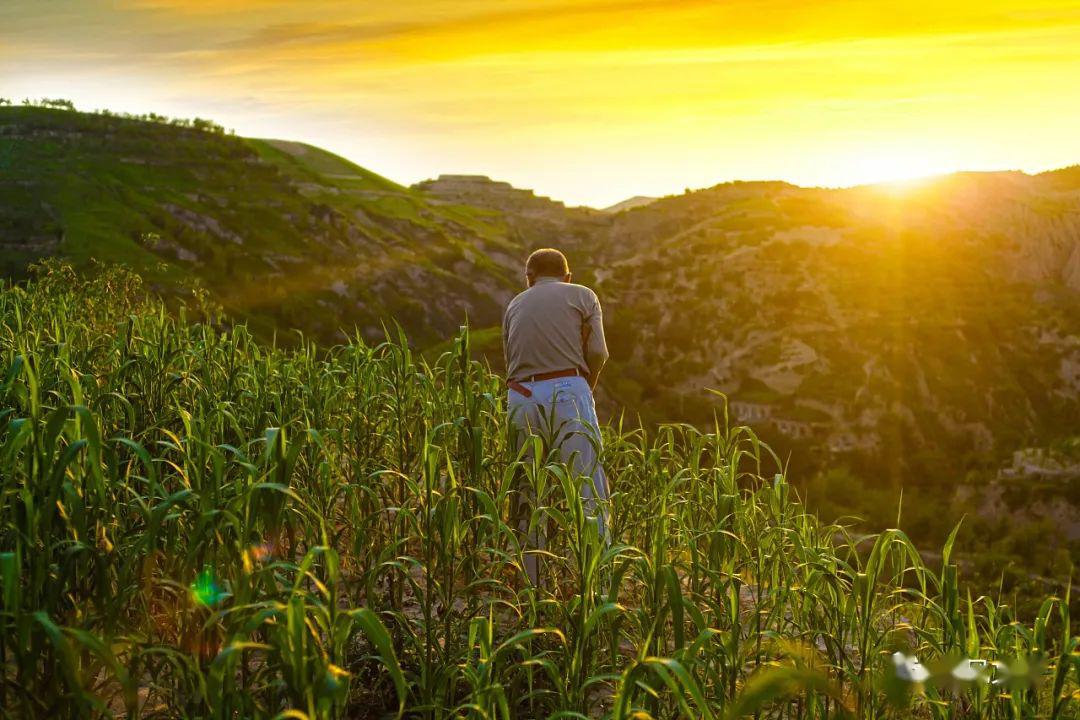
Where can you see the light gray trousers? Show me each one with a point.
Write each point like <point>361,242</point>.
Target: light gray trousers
<point>563,414</point>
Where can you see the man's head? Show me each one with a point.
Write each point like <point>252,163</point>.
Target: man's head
<point>546,262</point>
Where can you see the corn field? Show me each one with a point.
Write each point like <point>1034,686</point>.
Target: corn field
<point>194,524</point>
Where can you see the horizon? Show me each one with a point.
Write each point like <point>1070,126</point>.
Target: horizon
<point>902,183</point>
<point>590,103</point>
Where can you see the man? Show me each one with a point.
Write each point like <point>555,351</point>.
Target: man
<point>553,339</point>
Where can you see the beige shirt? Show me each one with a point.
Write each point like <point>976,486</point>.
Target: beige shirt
<point>553,326</point>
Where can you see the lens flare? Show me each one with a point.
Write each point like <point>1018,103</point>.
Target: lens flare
<point>263,552</point>
<point>205,590</point>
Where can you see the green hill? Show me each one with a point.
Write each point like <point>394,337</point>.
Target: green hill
<point>322,165</point>
<point>193,524</point>
<point>282,234</point>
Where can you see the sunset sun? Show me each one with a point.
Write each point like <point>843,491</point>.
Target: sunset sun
<point>889,166</point>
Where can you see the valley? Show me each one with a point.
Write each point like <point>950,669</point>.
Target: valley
<point>886,341</point>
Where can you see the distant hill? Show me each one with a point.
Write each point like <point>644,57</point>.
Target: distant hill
<point>916,335</point>
<point>630,204</point>
<point>900,338</point>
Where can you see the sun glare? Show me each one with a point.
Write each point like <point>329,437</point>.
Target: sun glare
<point>896,170</point>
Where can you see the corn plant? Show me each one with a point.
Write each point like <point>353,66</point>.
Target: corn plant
<point>194,523</point>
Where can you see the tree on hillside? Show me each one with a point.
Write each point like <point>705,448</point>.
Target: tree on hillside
<point>207,126</point>
<point>57,103</point>
<point>4,101</point>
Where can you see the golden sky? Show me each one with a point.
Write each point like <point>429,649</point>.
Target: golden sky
<point>590,101</point>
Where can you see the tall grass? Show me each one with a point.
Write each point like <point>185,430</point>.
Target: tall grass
<point>193,524</point>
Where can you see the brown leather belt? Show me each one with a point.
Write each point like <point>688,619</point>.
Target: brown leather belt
<point>520,389</point>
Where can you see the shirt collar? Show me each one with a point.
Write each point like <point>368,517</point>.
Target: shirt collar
<point>544,279</point>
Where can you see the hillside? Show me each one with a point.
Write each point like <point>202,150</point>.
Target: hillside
<point>899,338</point>
<point>281,234</point>
<point>916,336</point>
<point>959,299</point>
<point>291,533</point>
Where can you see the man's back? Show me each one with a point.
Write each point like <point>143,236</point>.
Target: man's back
<point>552,332</point>
<point>553,326</point>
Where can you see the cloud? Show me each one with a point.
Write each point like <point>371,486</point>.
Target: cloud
<point>315,33</point>
<point>435,32</point>
<point>693,90</point>
<point>203,7</point>
<point>428,19</point>
<point>275,33</point>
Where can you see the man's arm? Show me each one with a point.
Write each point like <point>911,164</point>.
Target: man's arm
<point>593,343</point>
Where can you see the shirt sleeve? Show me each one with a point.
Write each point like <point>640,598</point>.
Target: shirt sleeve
<point>506,340</point>
<point>596,352</point>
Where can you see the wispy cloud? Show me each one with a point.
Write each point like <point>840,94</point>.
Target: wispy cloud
<point>204,7</point>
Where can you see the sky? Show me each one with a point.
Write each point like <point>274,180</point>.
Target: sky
<point>591,101</point>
